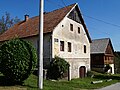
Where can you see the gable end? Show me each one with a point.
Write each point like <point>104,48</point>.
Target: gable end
<point>74,15</point>
<point>109,48</point>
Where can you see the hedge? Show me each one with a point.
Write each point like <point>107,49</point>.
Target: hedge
<point>17,59</point>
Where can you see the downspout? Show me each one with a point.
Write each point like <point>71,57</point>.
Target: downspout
<point>51,47</point>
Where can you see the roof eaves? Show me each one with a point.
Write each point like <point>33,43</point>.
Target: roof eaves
<point>97,53</point>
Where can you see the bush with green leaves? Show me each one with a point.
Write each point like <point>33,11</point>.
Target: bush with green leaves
<point>17,59</point>
<point>90,74</point>
<point>58,67</point>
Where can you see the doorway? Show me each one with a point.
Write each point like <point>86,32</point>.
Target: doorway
<point>82,71</point>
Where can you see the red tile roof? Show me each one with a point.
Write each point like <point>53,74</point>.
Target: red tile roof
<point>31,26</point>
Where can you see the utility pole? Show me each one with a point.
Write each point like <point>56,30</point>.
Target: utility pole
<point>40,82</point>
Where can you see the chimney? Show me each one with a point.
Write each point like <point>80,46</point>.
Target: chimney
<point>26,17</point>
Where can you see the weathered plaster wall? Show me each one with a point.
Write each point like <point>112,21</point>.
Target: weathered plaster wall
<point>76,57</point>
<point>47,53</point>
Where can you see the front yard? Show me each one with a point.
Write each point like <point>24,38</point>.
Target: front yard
<point>74,84</point>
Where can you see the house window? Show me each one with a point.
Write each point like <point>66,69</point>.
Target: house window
<point>55,40</point>
<point>79,30</point>
<point>69,47</point>
<point>71,27</point>
<point>84,48</point>
<point>61,45</point>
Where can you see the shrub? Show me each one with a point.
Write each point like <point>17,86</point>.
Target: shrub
<point>57,68</point>
<point>90,74</point>
<point>17,60</point>
<point>106,76</point>
<point>93,73</point>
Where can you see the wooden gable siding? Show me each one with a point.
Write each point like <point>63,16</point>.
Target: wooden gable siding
<point>109,56</point>
<point>74,15</point>
<point>109,50</point>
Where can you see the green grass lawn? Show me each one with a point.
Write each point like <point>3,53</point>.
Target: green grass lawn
<point>74,84</point>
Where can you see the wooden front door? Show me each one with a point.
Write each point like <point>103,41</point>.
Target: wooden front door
<point>82,71</point>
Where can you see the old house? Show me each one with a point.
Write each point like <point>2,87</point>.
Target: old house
<point>65,35</point>
<point>102,55</point>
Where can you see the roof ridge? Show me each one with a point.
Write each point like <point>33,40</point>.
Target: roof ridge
<point>100,39</point>
<point>60,8</point>
<point>47,13</point>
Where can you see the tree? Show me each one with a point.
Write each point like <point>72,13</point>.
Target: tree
<point>117,61</point>
<point>18,59</point>
<point>6,22</point>
<point>58,67</point>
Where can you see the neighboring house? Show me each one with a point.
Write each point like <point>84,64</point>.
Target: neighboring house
<point>102,54</point>
<point>65,35</point>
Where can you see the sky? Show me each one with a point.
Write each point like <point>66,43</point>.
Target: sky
<point>102,17</point>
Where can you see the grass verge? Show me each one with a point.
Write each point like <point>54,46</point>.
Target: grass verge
<point>74,84</point>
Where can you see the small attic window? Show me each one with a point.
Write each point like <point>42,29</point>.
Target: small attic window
<point>79,30</point>
<point>85,49</point>
<point>71,27</point>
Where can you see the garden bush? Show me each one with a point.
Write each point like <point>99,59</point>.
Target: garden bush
<point>107,76</point>
<point>93,73</point>
<point>90,74</point>
<point>17,60</point>
<point>58,67</point>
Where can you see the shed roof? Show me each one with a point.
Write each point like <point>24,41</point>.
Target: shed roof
<point>99,45</point>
